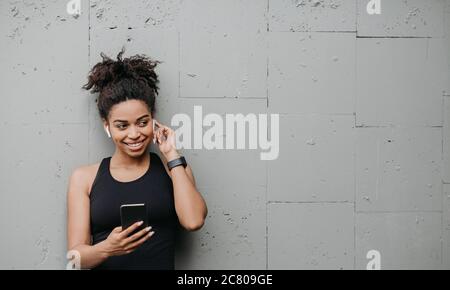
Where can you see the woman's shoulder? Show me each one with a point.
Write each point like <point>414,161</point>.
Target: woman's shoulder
<point>86,170</point>
<point>84,176</point>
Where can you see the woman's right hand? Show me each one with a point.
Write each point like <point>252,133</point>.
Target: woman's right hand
<point>120,243</point>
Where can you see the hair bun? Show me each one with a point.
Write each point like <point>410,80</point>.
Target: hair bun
<point>109,71</point>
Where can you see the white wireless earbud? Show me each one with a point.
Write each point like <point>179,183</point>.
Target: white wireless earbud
<point>154,133</point>
<point>107,131</point>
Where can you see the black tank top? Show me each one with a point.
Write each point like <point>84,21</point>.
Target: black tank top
<point>155,189</point>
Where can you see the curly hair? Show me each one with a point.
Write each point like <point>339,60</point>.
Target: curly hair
<point>120,80</point>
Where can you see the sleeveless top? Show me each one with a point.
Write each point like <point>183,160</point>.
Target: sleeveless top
<point>155,189</point>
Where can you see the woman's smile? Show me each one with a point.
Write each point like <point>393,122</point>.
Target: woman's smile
<point>135,146</point>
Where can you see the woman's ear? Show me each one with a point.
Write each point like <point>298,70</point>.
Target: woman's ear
<point>107,131</point>
<point>106,127</point>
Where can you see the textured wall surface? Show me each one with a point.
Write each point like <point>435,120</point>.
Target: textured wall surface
<point>364,104</point>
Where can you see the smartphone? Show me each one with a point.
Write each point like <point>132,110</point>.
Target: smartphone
<point>131,213</point>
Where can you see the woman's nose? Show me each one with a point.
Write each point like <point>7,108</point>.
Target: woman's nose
<point>133,133</point>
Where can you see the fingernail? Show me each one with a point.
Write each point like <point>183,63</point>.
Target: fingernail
<point>148,228</point>
<point>140,223</point>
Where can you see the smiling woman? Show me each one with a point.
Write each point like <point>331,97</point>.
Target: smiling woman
<point>126,102</point>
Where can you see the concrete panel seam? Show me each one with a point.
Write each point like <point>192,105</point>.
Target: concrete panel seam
<point>308,202</point>
<point>398,211</point>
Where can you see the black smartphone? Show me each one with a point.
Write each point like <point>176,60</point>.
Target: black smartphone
<point>131,213</point>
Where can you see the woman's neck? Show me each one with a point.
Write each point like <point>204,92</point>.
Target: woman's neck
<point>120,159</point>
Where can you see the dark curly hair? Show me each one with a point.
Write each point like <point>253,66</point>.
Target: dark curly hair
<point>123,79</point>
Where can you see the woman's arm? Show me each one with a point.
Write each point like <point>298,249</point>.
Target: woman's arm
<point>189,204</point>
<point>78,221</point>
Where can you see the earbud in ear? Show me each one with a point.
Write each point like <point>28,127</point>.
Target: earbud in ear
<point>107,131</point>
<point>154,132</point>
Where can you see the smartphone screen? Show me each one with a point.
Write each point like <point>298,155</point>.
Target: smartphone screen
<point>131,213</point>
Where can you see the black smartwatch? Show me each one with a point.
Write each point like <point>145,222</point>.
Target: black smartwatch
<point>177,162</point>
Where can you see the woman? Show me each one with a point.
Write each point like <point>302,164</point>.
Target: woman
<point>126,103</point>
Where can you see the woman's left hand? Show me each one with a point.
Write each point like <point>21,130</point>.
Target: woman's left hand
<point>165,137</point>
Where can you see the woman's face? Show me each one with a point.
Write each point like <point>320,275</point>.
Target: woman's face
<point>130,124</point>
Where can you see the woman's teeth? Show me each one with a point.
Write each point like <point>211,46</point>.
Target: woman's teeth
<point>135,144</point>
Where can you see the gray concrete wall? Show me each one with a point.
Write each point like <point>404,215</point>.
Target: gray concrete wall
<point>364,104</point>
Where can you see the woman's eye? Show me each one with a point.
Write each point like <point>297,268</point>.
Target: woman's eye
<point>121,127</point>
<point>143,124</point>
